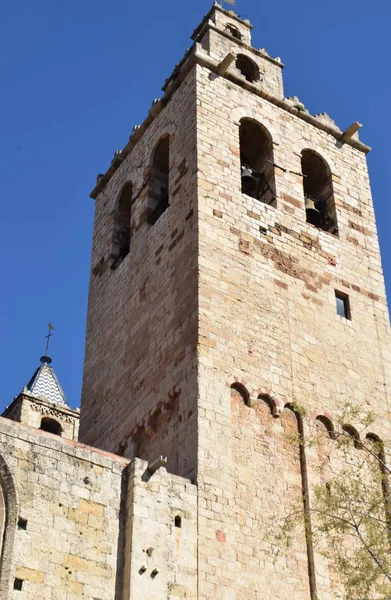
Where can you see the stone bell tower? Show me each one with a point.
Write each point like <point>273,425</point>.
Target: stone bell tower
<point>235,272</point>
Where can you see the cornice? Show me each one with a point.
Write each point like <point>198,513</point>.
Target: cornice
<point>196,55</point>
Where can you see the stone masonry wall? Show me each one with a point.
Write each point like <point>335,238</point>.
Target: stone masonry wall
<point>268,315</point>
<point>215,36</point>
<point>257,284</point>
<point>139,390</point>
<point>161,550</point>
<point>70,498</point>
<point>83,523</point>
<point>268,478</point>
<point>327,460</point>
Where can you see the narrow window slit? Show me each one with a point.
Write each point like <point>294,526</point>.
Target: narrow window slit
<point>342,305</point>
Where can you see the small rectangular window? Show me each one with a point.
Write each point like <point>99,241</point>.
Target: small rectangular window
<point>342,305</point>
<point>18,584</point>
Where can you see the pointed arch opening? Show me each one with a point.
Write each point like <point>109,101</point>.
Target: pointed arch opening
<point>248,68</point>
<point>158,195</point>
<point>51,426</point>
<point>121,225</point>
<point>242,391</point>
<point>257,162</point>
<point>318,192</point>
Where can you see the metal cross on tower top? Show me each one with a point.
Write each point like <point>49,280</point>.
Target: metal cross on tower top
<point>46,358</point>
<point>47,337</point>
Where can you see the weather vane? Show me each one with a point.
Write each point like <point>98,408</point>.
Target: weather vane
<point>47,338</point>
<point>231,2</point>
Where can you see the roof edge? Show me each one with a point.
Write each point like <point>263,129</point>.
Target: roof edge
<point>193,56</point>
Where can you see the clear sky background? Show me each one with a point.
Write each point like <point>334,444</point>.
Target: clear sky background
<point>77,75</point>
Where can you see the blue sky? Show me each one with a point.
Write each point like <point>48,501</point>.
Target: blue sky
<point>77,75</point>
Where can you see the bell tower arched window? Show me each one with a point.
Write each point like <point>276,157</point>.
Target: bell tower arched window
<point>234,31</point>
<point>257,164</point>
<point>121,229</point>
<point>318,192</point>
<point>248,68</point>
<point>159,180</point>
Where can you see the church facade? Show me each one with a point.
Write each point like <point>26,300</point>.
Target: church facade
<point>235,274</point>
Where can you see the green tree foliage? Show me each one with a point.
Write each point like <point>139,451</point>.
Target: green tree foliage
<point>347,515</point>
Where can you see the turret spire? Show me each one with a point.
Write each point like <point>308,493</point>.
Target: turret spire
<point>44,383</point>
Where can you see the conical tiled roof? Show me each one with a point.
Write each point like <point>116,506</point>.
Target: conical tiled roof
<point>44,384</point>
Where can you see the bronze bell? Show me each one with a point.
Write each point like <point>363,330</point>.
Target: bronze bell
<point>313,214</point>
<point>249,182</point>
